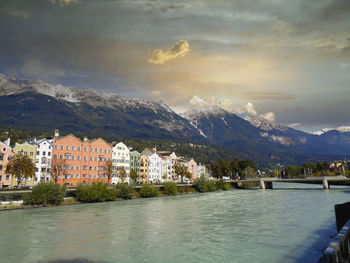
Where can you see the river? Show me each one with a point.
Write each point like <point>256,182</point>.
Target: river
<point>280,225</point>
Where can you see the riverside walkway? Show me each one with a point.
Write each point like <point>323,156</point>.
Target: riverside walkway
<point>266,182</point>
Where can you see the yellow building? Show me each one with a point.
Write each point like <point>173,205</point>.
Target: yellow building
<point>27,150</point>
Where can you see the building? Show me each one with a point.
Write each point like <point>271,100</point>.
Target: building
<point>154,165</point>
<point>202,170</point>
<point>120,160</point>
<point>82,161</point>
<point>143,168</point>
<point>43,160</point>
<point>29,150</point>
<point>135,161</point>
<point>173,159</point>
<point>193,168</point>
<point>6,152</point>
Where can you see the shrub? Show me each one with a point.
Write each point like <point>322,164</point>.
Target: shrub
<point>123,190</point>
<point>200,184</point>
<point>96,192</point>
<point>211,186</point>
<point>219,184</point>
<point>227,186</point>
<point>170,188</point>
<point>148,190</point>
<point>45,193</point>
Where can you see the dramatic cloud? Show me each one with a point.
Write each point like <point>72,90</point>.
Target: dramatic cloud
<point>270,116</point>
<point>179,50</point>
<point>64,2</point>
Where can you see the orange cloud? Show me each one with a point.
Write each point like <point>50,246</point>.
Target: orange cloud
<point>179,50</point>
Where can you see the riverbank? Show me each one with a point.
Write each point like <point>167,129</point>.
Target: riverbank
<point>158,190</point>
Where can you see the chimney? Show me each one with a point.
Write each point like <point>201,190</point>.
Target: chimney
<point>57,133</point>
<point>85,138</point>
<point>7,142</point>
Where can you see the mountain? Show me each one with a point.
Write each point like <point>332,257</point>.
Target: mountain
<point>39,106</point>
<point>35,104</point>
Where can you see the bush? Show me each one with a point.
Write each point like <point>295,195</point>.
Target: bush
<point>211,186</point>
<point>227,186</point>
<point>219,184</point>
<point>96,192</point>
<point>170,188</point>
<point>45,193</point>
<point>148,190</point>
<point>200,184</point>
<point>123,190</point>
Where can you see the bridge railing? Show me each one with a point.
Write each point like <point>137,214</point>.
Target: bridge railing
<point>338,250</point>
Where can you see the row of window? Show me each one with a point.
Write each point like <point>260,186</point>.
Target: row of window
<point>73,158</point>
<point>73,148</point>
<point>120,161</point>
<point>43,153</point>
<point>85,167</point>
<point>7,177</point>
<point>71,176</point>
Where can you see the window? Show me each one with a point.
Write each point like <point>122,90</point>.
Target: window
<point>77,176</point>
<point>78,148</point>
<point>101,150</point>
<point>0,167</point>
<point>25,153</point>
<point>85,149</point>
<point>84,158</point>
<point>1,157</point>
<point>78,158</point>
<point>84,167</point>
<point>56,147</point>
<point>7,177</point>
<point>67,148</point>
<point>95,150</point>
<point>91,150</point>
<point>49,147</point>
<point>49,153</point>
<point>62,147</point>
<point>91,159</point>
<point>4,149</point>
<point>37,153</point>
<point>73,148</point>
<point>39,146</point>
<point>43,169</point>
<point>31,153</point>
<point>78,167</point>
<point>55,156</point>
<point>84,175</point>
<point>73,157</point>
<point>95,159</point>
<point>61,156</point>
<point>44,153</point>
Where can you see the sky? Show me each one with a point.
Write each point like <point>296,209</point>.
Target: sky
<point>288,61</point>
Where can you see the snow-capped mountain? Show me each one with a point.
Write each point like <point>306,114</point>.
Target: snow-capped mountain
<point>38,105</point>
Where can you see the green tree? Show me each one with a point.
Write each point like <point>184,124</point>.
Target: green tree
<point>20,167</point>
<point>182,171</point>
<point>249,172</point>
<point>122,174</point>
<point>45,193</point>
<point>293,171</point>
<point>133,175</point>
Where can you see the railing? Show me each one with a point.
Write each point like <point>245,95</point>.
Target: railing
<point>338,250</point>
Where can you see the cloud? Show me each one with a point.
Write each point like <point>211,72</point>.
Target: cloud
<point>249,108</point>
<point>270,116</point>
<point>64,2</point>
<point>293,125</point>
<point>179,50</point>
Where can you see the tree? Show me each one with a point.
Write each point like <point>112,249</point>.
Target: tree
<point>108,170</point>
<point>133,175</point>
<point>57,168</point>
<point>182,171</point>
<point>249,172</point>
<point>20,167</point>
<point>122,173</point>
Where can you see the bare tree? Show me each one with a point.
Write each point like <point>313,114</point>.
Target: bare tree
<point>57,168</point>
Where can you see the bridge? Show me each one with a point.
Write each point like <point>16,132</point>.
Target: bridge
<point>266,182</point>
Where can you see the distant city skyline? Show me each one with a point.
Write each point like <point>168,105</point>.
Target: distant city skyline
<point>287,61</point>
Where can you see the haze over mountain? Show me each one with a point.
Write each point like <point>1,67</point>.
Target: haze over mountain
<point>38,105</point>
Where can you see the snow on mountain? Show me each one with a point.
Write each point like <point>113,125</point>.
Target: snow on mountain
<point>263,123</point>
<point>12,85</point>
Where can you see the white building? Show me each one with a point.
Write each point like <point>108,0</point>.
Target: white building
<point>120,159</point>
<point>154,165</point>
<point>202,170</point>
<point>166,168</point>
<point>43,160</point>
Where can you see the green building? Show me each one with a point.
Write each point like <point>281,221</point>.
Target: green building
<point>135,157</point>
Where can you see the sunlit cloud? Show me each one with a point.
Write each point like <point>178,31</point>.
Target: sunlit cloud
<point>64,2</point>
<point>179,50</point>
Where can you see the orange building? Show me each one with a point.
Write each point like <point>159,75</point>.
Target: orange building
<point>6,153</point>
<point>83,161</point>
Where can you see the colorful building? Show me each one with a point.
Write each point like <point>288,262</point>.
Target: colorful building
<point>83,161</point>
<point>6,153</point>
<point>120,160</point>
<point>192,167</point>
<point>154,165</point>
<point>29,150</point>
<point>144,168</point>
<point>43,160</point>
<point>135,158</point>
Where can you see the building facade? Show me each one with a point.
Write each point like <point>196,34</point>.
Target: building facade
<point>120,160</point>
<point>135,161</point>
<point>82,161</point>
<point>193,169</point>
<point>43,160</point>
<point>143,168</point>
<point>29,150</point>
<point>6,152</point>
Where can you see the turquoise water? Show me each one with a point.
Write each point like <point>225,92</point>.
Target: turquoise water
<point>284,225</point>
